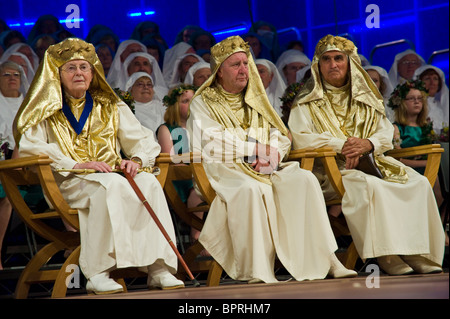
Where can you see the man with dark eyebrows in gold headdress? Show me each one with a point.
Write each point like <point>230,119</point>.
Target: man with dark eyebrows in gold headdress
<point>395,218</point>
<point>264,207</point>
<point>71,114</point>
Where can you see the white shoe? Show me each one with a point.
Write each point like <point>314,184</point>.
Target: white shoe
<point>160,277</point>
<point>393,265</point>
<point>101,284</point>
<point>421,265</point>
<point>165,282</point>
<point>337,269</point>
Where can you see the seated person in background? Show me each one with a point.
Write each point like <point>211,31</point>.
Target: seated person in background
<point>144,62</point>
<point>124,49</point>
<point>258,46</point>
<point>27,51</point>
<point>272,81</point>
<point>80,123</point>
<point>148,108</point>
<point>105,55</point>
<point>181,67</point>
<point>404,66</point>
<point>101,34</point>
<point>202,40</point>
<point>438,101</point>
<point>173,138</point>
<point>394,219</point>
<point>41,44</point>
<point>170,57</point>
<point>185,34</point>
<point>198,74</point>
<point>412,127</point>
<point>380,77</point>
<point>264,207</point>
<point>289,63</point>
<point>24,63</point>
<point>10,99</point>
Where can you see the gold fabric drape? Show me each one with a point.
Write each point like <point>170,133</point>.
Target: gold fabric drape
<point>352,110</point>
<point>44,101</point>
<point>250,110</point>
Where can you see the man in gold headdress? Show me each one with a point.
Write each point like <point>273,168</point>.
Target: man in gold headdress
<point>264,207</point>
<point>71,114</point>
<point>395,218</point>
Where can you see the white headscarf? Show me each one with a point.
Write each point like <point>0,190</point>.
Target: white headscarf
<point>8,109</point>
<point>191,72</point>
<point>15,48</point>
<point>301,73</point>
<point>150,114</point>
<point>116,68</point>
<point>276,87</point>
<point>29,75</point>
<point>175,77</point>
<point>171,55</point>
<point>364,60</point>
<point>387,91</point>
<point>157,78</point>
<point>438,105</point>
<point>393,72</point>
<point>290,56</point>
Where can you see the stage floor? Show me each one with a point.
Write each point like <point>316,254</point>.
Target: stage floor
<point>432,286</point>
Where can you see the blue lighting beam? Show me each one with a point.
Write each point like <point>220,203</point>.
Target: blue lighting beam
<point>141,13</point>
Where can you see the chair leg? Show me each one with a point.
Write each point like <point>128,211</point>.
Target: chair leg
<point>60,286</point>
<point>351,256</point>
<point>214,274</point>
<point>32,274</point>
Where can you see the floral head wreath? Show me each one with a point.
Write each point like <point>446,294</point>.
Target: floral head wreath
<point>171,99</point>
<point>291,92</point>
<point>402,90</point>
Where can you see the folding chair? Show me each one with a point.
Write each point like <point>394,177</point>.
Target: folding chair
<point>36,170</point>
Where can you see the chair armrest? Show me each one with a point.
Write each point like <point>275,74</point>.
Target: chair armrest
<point>305,156</point>
<point>434,152</point>
<point>415,151</point>
<point>27,161</point>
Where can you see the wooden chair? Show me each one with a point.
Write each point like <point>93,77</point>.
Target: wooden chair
<point>36,170</point>
<point>195,170</point>
<point>328,158</point>
<point>184,167</point>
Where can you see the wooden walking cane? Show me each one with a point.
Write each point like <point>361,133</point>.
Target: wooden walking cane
<point>160,226</point>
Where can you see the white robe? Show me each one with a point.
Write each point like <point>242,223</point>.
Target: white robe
<point>8,109</point>
<point>384,218</point>
<point>116,230</point>
<point>150,114</point>
<point>251,222</point>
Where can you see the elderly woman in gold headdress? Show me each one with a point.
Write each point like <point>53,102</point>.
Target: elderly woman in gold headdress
<point>396,218</point>
<point>71,114</point>
<point>264,207</point>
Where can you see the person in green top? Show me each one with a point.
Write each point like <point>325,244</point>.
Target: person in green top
<point>173,138</point>
<point>412,126</point>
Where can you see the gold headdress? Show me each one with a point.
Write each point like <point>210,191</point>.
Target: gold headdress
<point>255,94</point>
<point>362,86</point>
<point>222,50</point>
<point>44,96</point>
<point>331,43</point>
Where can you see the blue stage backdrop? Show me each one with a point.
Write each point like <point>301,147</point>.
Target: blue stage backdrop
<point>419,24</point>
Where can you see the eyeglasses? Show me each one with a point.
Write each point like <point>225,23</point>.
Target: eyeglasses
<point>73,68</point>
<point>414,98</point>
<point>408,62</point>
<point>142,85</point>
<point>10,75</point>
